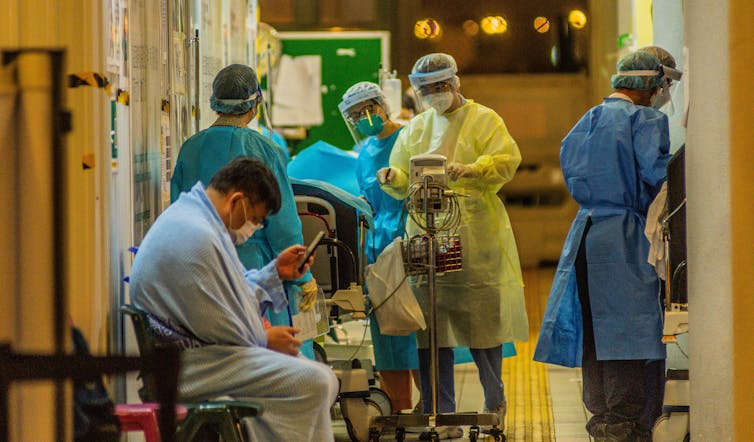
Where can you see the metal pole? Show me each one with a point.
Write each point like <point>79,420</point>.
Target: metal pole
<point>269,88</point>
<point>433,350</point>
<point>196,79</point>
<point>433,361</point>
<point>362,263</point>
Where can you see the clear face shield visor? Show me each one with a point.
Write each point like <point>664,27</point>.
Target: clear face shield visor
<point>263,113</point>
<point>364,117</point>
<point>663,98</point>
<point>668,79</point>
<point>431,85</point>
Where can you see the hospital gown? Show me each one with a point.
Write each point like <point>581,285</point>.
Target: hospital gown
<point>204,154</point>
<point>188,273</point>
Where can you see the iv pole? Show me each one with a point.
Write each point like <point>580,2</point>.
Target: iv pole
<point>421,258</point>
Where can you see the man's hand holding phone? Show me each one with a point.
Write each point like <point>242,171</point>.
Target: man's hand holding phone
<point>290,263</point>
<point>294,261</point>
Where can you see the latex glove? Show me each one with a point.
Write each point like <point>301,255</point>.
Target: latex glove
<point>283,339</point>
<point>308,295</point>
<point>288,262</point>
<point>458,170</point>
<point>386,175</point>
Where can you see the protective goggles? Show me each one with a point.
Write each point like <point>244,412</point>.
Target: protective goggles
<point>355,114</point>
<point>434,88</point>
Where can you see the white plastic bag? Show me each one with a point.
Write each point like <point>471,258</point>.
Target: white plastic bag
<point>393,302</point>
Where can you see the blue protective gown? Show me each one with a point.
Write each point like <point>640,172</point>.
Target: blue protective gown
<point>187,273</point>
<point>614,162</point>
<point>204,154</point>
<point>390,352</point>
<point>324,162</point>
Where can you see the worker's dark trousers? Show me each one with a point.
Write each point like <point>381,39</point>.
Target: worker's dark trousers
<point>613,390</point>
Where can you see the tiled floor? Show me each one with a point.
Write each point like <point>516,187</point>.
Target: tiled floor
<point>544,401</point>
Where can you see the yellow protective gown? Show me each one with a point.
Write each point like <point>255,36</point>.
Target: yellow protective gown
<point>481,306</point>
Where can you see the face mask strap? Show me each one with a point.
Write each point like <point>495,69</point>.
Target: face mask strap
<point>245,218</point>
<point>369,117</point>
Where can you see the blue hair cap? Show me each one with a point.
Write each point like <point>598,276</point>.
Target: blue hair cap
<point>637,70</point>
<point>235,90</point>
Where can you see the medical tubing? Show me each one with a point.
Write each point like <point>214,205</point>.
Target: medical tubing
<point>450,222</point>
<point>674,211</point>
<point>674,295</point>
<point>681,349</point>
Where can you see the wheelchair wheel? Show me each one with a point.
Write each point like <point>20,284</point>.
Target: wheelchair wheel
<point>373,409</point>
<point>382,400</point>
<point>319,353</point>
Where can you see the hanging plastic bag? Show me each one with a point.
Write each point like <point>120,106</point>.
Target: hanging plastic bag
<point>393,302</point>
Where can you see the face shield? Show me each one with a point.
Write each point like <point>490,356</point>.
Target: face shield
<point>664,95</point>
<point>434,89</point>
<point>363,114</point>
<point>663,78</point>
<point>263,112</point>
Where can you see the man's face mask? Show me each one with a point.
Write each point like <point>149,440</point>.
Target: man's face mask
<point>246,231</point>
<point>440,101</point>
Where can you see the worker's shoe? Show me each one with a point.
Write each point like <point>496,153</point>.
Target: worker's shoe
<point>598,432</point>
<point>621,432</point>
<point>500,412</point>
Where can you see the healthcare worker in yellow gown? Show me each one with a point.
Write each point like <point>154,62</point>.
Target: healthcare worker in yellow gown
<point>482,306</point>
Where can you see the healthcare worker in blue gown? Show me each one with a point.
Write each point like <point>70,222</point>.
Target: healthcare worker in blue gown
<point>236,97</point>
<point>604,312</point>
<point>365,110</point>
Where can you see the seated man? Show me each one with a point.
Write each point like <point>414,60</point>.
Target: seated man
<point>187,275</point>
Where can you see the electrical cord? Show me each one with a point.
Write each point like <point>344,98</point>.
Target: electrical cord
<point>395,290</point>
<point>681,350</point>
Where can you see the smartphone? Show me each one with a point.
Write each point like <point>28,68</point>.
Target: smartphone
<point>312,246</point>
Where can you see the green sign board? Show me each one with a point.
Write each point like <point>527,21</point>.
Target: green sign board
<point>347,58</point>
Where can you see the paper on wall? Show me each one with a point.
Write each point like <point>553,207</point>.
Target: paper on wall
<point>297,99</point>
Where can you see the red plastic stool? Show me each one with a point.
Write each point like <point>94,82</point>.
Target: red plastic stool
<point>143,417</point>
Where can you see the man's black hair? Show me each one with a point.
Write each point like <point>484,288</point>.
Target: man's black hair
<point>252,178</point>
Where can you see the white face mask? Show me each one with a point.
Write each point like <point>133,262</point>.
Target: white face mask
<point>441,101</point>
<point>246,231</point>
